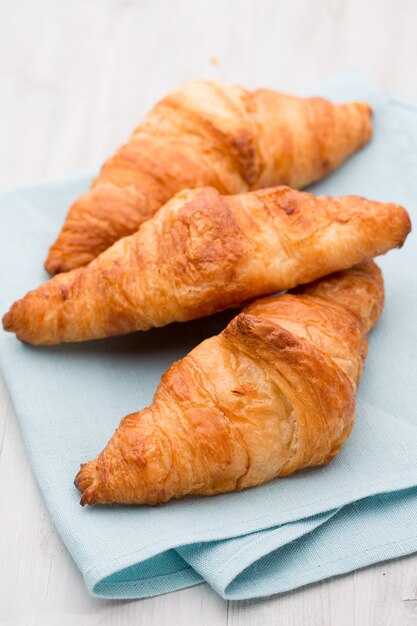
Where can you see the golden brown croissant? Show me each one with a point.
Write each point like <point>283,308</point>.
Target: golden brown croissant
<point>202,253</point>
<point>273,393</point>
<point>208,134</point>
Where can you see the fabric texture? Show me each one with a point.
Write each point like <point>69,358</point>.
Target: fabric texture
<point>359,509</point>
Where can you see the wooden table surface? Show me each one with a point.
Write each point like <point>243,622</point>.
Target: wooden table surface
<point>76,77</point>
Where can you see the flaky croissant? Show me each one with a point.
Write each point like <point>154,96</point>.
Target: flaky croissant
<point>273,393</point>
<point>202,253</point>
<point>208,134</point>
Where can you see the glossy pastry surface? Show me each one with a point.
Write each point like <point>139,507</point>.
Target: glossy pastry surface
<point>202,253</point>
<point>208,134</point>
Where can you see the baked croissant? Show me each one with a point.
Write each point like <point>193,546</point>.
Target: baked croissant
<point>202,253</point>
<point>273,393</point>
<point>208,134</point>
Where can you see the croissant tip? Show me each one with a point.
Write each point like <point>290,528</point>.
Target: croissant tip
<point>86,497</point>
<point>53,265</point>
<point>85,483</point>
<point>14,321</point>
<point>8,321</point>
<point>66,262</point>
<point>366,108</point>
<point>408,226</point>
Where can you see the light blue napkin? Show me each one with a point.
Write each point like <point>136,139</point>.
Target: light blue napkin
<point>69,399</point>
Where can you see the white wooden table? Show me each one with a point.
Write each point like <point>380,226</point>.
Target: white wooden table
<point>75,78</point>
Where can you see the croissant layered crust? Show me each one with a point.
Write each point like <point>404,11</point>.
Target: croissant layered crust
<point>208,134</point>
<point>273,393</point>
<point>202,253</point>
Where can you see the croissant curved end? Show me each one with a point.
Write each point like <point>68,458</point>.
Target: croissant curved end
<point>86,482</point>
<point>13,320</point>
<point>54,264</point>
<point>368,112</point>
<point>364,107</point>
<point>7,321</point>
<point>58,263</point>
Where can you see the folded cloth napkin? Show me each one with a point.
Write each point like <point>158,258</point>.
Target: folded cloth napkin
<point>359,509</point>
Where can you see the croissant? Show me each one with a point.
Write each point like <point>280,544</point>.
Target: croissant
<point>273,393</point>
<point>202,253</point>
<point>208,134</point>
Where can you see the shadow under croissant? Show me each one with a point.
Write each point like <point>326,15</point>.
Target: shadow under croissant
<point>194,500</point>
<point>178,337</point>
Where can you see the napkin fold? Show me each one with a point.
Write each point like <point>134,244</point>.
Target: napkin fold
<point>359,509</point>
